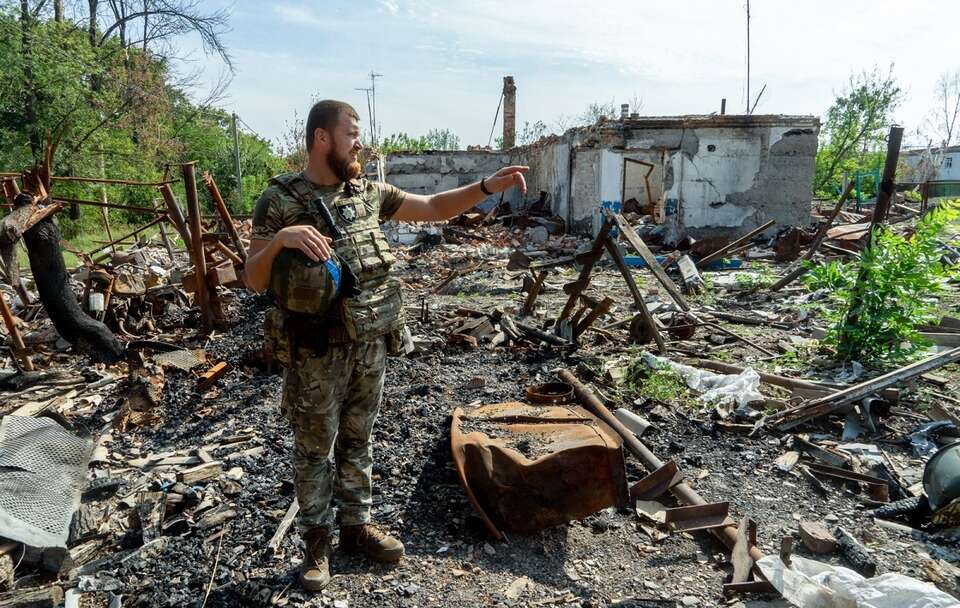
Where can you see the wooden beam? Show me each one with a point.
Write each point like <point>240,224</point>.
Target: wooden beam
<point>614,249</point>
<point>637,243</point>
<point>719,253</point>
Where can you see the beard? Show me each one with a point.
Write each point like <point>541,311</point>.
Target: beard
<point>344,168</point>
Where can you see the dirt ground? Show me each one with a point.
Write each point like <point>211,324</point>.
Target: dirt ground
<point>607,559</point>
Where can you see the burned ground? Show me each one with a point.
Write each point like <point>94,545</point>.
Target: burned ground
<point>215,531</point>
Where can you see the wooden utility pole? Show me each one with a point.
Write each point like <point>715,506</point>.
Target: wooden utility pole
<point>885,193</point>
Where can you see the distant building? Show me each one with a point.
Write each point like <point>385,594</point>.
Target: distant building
<point>939,168</point>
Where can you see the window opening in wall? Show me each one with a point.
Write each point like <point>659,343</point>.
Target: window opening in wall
<point>948,162</point>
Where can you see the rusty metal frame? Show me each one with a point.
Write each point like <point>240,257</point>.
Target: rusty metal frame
<point>700,517</point>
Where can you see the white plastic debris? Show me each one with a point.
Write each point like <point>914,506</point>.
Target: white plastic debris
<point>742,388</point>
<point>808,583</point>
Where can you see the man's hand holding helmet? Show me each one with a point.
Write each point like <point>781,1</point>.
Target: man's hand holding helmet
<point>307,239</point>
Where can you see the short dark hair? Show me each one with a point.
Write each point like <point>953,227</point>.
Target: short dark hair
<point>324,115</point>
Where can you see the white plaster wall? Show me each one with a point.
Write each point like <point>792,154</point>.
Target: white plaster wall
<point>951,173</point>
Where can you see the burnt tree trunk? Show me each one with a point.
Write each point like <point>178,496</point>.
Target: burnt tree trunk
<point>86,334</point>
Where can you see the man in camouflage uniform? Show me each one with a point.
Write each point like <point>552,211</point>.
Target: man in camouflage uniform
<point>335,361</point>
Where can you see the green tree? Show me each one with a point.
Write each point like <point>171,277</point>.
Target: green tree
<point>854,127</point>
<point>442,139</point>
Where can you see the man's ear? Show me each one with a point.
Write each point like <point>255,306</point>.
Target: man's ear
<point>319,136</point>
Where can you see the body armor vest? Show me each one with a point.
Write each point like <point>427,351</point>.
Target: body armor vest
<point>377,310</point>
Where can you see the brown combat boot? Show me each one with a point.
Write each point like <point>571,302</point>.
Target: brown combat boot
<point>370,541</point>
<point>315,570</point>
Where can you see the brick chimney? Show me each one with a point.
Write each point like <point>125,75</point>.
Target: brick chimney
<point>509,113</point>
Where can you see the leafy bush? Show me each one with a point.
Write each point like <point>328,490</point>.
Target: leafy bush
<point>902,277</point>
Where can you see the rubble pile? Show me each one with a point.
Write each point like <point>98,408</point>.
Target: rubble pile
<point>730,421</point>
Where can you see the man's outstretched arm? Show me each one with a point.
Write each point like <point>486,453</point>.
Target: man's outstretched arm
<point>448,204</point>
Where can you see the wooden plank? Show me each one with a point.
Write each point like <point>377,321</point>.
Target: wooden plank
<point>213,374</point>
<point>614,249</point>
<point>284,526</point>
<point>637,243</point>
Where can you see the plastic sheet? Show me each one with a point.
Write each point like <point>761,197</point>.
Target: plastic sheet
<point>742,388</point>
<point>808,583</point>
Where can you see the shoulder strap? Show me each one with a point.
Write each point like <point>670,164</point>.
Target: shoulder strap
<point>295,185</point>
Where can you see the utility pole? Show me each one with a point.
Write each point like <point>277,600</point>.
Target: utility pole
<point>236,165</point>
<point>748,56</point>
<point>369,111</point>
<point>373,97</point>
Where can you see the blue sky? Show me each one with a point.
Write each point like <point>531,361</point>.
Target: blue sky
<point>443,62</point>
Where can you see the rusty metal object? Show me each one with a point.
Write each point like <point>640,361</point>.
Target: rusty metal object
<point>699,517</point>
<point>656,484</point>
<point>682,326</point>
<point>640,330</point>
<point>879,488</point>
<point>550,393</point>
<point>683,492</point>
<point>528,467</point>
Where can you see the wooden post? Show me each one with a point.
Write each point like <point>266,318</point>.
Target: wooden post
<point>885,194</point>
<point>638,301</point>
<point>196,244</point>
<point>19,348</point>
<point>225,216</point>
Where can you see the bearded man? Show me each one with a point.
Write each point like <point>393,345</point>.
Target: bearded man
<point>318,246</point>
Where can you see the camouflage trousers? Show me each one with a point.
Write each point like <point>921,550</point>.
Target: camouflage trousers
<point>331,401</point>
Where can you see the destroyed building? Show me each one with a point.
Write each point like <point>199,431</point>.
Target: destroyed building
<point>702,175</point>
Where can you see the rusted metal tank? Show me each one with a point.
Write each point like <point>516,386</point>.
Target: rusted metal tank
<point>528,467</point>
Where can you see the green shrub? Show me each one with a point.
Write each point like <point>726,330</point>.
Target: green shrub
<point>902,277</point>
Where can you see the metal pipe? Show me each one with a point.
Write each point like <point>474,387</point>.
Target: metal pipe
<point>196,245</point>
<point>684,493</point>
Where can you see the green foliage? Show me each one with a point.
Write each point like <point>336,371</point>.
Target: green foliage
<point>854,129</point>
<point>116,114</point>
<point>763,277</point>
<point>661,385</point>
<point>901,279</point>
<point>435,139</point>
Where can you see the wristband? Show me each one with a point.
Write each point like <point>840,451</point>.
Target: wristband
<point>483,186</point>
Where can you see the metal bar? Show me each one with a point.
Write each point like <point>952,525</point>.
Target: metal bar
<point>657,483</point>
<point>224,214</point>
<point>176,214</point>
<point>788,419</point>
<point>196,244</point>
<point>600,309</point>
<point>227,252</point>
<point>127,236</point>
<point>614,249</point>
<point>683,492</point>
<point>534,292</point>
<point>103,180</point>
<point>637,243</point>
<point>79,201</point>
<point>719,253</point>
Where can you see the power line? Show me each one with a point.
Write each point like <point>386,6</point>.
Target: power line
<point>495,117</point>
